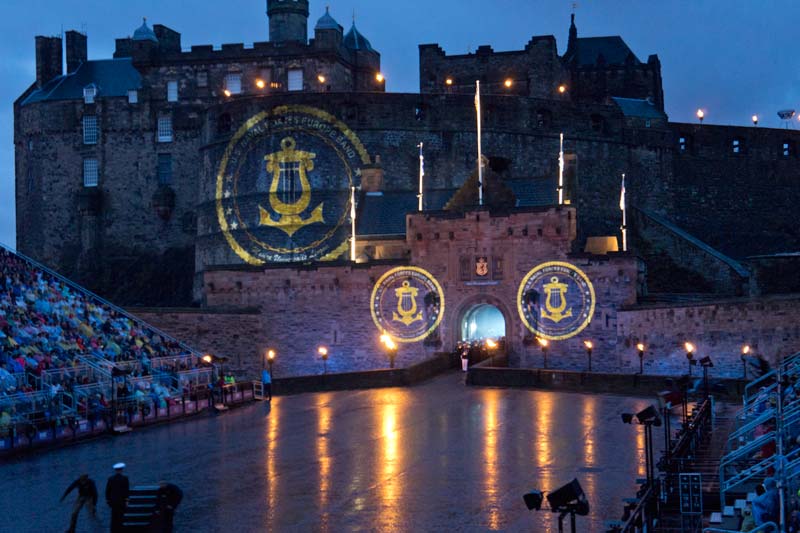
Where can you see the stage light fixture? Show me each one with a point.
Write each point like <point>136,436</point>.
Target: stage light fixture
<point>569,499</point>
<point>706,362</point>
<point>533,500</point>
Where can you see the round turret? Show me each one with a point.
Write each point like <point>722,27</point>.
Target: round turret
<point>288,20</point>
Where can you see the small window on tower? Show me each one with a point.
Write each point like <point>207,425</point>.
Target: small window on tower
<point>682,144</point>
<point>133,96</point>
<point>233,83</point>
<point>164,129</point>
<point>89,129</point>
<point>736,145</point>
<point>172,91</point>
<point>90,173</point>
<point>787,149</point>
<point>296,80</point>
<point>164,169</point>
<point>202,79</point>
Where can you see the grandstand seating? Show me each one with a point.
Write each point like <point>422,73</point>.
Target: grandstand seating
<point>66,354</point>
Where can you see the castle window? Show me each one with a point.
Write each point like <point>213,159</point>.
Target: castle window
<point>202,79</point>
<point>233,83</point>
<point>736,146</point>
<point>89,93</point>
<point>89,129</point>
<point>543,118</point>
<point>647,123</point>
<point>172,91</point>
<point>133,96</point>
<point>164,129</point>
<point>683,144</point>
<point>165,169</point>
<point>90,173</point>
<point>464,268</point>
<point>296,79</point>
<point>598,124</point>
<point>787,149</point>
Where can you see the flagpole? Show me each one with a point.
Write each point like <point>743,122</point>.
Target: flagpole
<point>352,223</point>
<point>561,170</point>
<point>624,216</point>
<point>480,156</point>
<point>421,174</point>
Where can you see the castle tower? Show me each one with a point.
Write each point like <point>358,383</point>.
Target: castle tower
<point>288,20</point>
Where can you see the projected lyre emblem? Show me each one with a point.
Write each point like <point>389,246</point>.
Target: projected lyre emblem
<point>555,301</point>
<point>288,168</point>
<point>406,305</point>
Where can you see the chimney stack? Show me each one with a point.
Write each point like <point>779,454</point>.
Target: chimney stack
<point>76,50</point>
<point>48,59</point>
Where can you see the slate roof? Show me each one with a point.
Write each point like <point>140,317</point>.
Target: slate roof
<point>327,22</point>
<point>637,107</point>
<point>112,77</point>
<point>385,214</point>
<point>533,192</point>
<point>355,41</point>
<point>613,49</point>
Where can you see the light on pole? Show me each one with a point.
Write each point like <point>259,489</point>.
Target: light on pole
<point>543,343</point>
<point>491,345</point>
<point>323,352</point>
<point>701,115</point>
<point>689,347</point>
<point>589,346</point>
<point>270,360</point>
<point>391,348</point>
<point>745,351</point>
<point>640,347</point>
<point>755,120</point>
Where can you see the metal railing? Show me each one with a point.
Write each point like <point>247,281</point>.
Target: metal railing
<point>765,527</point>
<point>644,515</point>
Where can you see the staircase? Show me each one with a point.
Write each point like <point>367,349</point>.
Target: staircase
<point>142,505</point>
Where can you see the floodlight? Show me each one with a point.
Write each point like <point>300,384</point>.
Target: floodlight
<point>569,498</point>
<point>533,500</point>
<point>706,362</point>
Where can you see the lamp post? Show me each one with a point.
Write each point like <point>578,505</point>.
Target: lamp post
<point>701,115</point>
<point>745,351</point>
<point>689,347</point>
<point>640,347</point>
<point>323,352</point>
<point>491,345</point>
<point>755,120</point>
<point>589,345</point>
<point>543,343</point>
<point>270,360</point>
<point>391,348</point>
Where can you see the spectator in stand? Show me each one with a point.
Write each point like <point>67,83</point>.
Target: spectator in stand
<point>766,506</point>
<point>87,495</point>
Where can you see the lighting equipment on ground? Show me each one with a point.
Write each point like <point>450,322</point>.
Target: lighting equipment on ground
<point>640,348</point>
<point>589,347</point>
<point>567,500</point>
<point>544,343</point>
<point>648,418</point>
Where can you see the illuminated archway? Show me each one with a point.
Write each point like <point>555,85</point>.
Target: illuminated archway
<point>482,321</point>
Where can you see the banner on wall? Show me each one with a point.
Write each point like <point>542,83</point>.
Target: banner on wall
<point>556,300</point>
<point>283,186</point>
<point>407,303</point>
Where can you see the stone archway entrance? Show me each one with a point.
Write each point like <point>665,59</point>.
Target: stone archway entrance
<point>482,321</point>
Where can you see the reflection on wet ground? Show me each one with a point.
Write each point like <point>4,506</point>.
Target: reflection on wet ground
<point>438,456</point>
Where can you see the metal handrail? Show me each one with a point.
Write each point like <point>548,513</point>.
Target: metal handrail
<point>102,300</point>
<point>762,527</point>
<point>638,514</point>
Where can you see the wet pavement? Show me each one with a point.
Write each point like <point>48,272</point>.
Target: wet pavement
<point>437,456</point>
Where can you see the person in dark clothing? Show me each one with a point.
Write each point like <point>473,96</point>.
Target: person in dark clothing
<point>87,495</point>
<point>117,489</point>
<point>168,497</point>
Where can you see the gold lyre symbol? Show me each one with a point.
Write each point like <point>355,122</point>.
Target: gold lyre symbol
<point>288,167</point>
<point>406,295</point>
<point>555,291</point>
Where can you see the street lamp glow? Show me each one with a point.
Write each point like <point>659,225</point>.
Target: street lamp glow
<point>542,342</point>
<point>227,93</point>
<point>448,81</point>
<point>491,344</point>
<point>701,115</point>
<point>640,347</point>
<point>388,342</point>
<point>321,78</point>
<point>562,88</point>
<point>379,77</point>
<point>207,358</point>
<point>589,344</point>
<point>755,120</point>
<point>271,355</point>
<point>745,349</point>
<point>689,347</point>
<point>323,351</point>
<point>508,83</point>
<point>260,83</point>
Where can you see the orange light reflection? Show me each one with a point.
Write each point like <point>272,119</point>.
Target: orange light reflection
<point>491,491</point>
<point>272,445</point>
<point>391,460</point>
<point>323,455</point>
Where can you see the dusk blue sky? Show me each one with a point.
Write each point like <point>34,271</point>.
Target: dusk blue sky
<point>733,57</point>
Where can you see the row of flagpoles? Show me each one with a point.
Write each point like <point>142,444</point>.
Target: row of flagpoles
<point>560,189</point>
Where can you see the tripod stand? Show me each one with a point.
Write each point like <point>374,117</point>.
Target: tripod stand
<point>571,513</point>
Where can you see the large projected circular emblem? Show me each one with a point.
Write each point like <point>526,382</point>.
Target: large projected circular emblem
<point>556,300</point>
<point>407,303</point>
<point>283,186</point>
